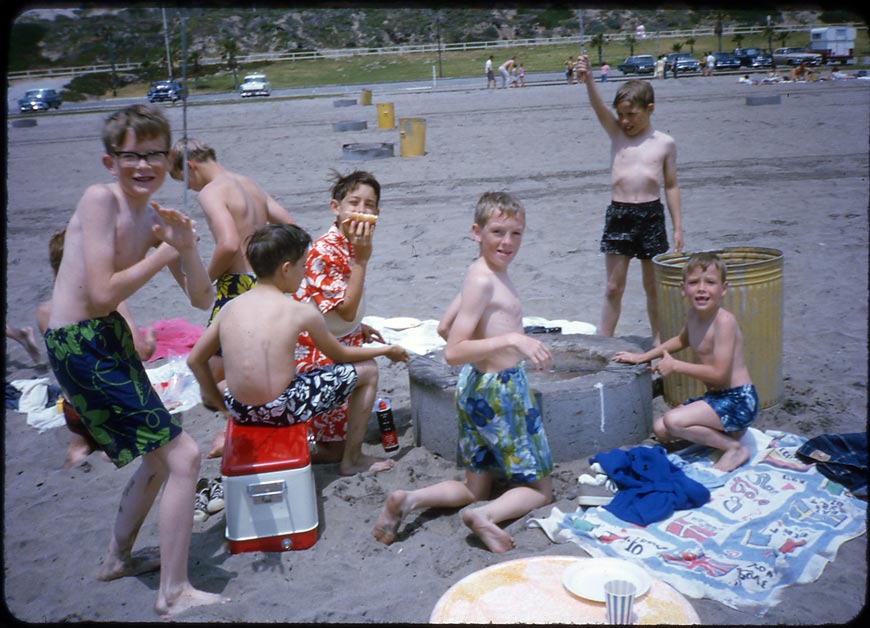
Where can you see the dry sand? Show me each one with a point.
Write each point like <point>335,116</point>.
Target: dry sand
<point>791,176</point>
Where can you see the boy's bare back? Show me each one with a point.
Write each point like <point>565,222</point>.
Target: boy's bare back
<point>235,197</point>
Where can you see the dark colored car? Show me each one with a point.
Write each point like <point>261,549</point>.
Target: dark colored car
<point>753,57</point>
<point>726,61</point>
<point>167,90</point>
<point>638,64</point>
<point>683,61</point>
<point>39,100</point>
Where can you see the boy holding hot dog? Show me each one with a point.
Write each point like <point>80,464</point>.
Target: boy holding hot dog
<point>335,274</point>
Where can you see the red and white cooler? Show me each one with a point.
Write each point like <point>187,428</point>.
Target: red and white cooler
<point>269,496</point>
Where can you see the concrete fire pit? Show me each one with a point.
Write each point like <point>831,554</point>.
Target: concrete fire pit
<point>588,403</point>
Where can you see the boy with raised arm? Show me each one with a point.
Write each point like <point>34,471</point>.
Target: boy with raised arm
<point>91,351</point>
<point>257,332</point>
<point>234,206</point>
<point>730,405</point>
<point>499,423</point>
<point>642,160</point>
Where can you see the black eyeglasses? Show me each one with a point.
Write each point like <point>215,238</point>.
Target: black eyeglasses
<point>130,159</point>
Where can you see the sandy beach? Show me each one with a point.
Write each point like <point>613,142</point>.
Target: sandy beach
<point>790,176</point>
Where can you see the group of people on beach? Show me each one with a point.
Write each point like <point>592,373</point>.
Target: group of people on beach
<point>510,71</point>
<point>285,342</point>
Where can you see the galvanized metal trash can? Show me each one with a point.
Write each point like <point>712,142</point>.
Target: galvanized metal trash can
<point>754,296</point>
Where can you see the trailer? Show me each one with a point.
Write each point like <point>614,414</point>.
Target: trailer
<point>836,44</point>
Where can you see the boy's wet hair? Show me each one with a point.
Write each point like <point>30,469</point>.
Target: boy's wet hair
<point>636,92</point>
<point>704,260</point>
<point>147,123</point>
<point>344,184</point>
<point>491,203</point>
<point>55,249</point>
<point>272,245</point>
<point>197,151</point>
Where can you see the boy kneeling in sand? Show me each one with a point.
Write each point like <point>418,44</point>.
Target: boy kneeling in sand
<point>730,405</point>
<point>257,334</point>
<point>499,422</point>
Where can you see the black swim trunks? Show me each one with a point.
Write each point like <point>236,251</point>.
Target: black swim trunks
<point>635,229</point>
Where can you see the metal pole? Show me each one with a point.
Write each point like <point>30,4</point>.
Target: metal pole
<point>166,38</point>
<point>184,100</point>
<point>582,42</point>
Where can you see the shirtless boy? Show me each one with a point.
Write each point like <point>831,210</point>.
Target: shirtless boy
<point>234,206</point>
<point>499,423</point>
<point>730,405</point>
<point>106,260</point>
<point>257,332</point>
<point>641,161</point>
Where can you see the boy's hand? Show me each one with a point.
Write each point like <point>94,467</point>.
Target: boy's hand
<point>214,403</point>
<point>396,353</point>
<point>360,236</point>
<point>582,68</point>
<point>370,334</point>
<point>535,351</point>
<point>666,365</point>
<point>177,230</point>
<point>627,357</point>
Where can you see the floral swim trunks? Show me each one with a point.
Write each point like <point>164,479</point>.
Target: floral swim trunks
<point>635,229</point>
<point>737,407</point>
<point>500,425</point>
<point>310,393</point>
<point>103,379</point>
<point>228,287</point>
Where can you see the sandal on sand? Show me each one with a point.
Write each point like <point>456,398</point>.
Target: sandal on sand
<point>215,496</point>
<point>200,504</point>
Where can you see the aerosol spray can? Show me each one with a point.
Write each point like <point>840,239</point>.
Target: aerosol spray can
<point>389,437</point>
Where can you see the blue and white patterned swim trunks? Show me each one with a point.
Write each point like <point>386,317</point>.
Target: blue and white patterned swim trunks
<point>737,407</point>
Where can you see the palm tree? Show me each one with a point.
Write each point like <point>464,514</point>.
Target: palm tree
<point>717,29</point>
<point>631,41</point>
<point>598,42</point>
<point>738,39</point>
<point>768,33</point>
<point>690,42</point>
<point>195,68</point>
<point>782,37</point>
<point>677,47</point>
<point>229,51</point>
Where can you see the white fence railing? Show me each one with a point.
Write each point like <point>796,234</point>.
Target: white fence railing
<point>339,53</point>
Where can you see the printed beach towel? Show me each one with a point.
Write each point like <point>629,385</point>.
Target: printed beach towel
<point>772,523</point>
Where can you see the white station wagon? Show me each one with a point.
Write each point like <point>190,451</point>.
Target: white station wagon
<point>255,85</point>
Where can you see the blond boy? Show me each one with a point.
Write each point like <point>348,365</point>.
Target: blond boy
<point>730,405</point>
<point>642,160</point>
<point>499,423</point>
<point>234,206</point>
<point>116,240</point>
<point>258,331</point>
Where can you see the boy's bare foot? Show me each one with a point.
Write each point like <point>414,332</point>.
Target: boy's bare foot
<point>26,337</point>
<point>144,561</point>
<point>365,463</point>
<point>732,458</point>
<point>496,540</point>
<point>188,598</point>
<point>217,445</point>
<point>77,451</point>
<point>391,517</point>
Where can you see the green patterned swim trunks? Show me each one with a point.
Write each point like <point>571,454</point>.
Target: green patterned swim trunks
<point>101,375</point>
<point>228,287</point>
<point>500,425</point>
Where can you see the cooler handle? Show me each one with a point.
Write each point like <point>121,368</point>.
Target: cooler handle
<point>265,491</point>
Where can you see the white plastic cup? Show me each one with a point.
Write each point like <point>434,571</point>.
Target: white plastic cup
<point>619,598</point>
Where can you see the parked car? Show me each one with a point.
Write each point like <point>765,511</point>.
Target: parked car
<point>794,56</point>
<point>255,85</point>
<point>753,57</point>
<point>39,100</point>
<point>684,62</point>
<point>726,61</point>
<point>638,64</point>
<point>167,90</point>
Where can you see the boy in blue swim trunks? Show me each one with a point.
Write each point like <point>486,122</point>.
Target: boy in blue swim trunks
<point>116,240</point>
<point>730,405</point>
<point>499,423</point>
<point>642,161</point>
<point>257,332</point>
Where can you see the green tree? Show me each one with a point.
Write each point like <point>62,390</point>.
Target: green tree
<point>631,41</point>
<point>782,37</point>
<point>768,33</point>
<point>598,42</point>
<point>229,51</point>
<point>738,39</point>
<point>717,29</point>
<point>677,47</point>
<point>690,42</point>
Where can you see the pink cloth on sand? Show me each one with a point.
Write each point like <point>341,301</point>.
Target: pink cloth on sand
<point>174,337</point>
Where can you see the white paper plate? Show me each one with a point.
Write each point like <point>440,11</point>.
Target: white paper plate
<point>401,322</point>
<point>586,578</point>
